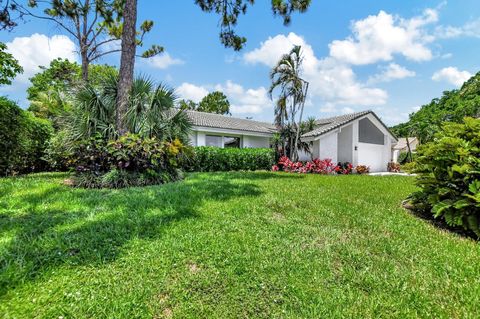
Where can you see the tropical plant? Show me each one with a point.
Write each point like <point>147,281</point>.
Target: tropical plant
<point>316,166</point>
<point>9,67</point>
<point>286,76</point>
<point>127,161</point>
<point>362,169</point>
<point>448,171</point>
<point>150,112</point>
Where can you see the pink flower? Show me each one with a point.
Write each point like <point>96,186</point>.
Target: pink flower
<point>275,168</point>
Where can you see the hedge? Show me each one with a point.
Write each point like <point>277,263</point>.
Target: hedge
<point>211,159</point>
<point>23,139</point>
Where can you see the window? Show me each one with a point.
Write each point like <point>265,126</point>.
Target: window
<point>213,140</point>
<point>230,141</point>
<point>369,132</point>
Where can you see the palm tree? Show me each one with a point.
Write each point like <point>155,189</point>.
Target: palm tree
<point>293,91</point>
<point>150,112</point>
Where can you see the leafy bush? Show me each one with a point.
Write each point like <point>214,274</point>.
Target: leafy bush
<point>23,139</point>
<point>128,161</point>
<point>212,159</point>
<point>317,166</point>
<point>344,168</point>
<point>362,169</point>
<point>393,167</point>
<point>449,171</point>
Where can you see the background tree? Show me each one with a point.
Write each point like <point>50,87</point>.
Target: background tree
<point>187,105</point>
<point>452,106</point>
<point>94,24</point>
<point>214,102</point>
<point>51,90</point>
<point>230,10</point>
<point>9,67</point>
<point>285,76</point>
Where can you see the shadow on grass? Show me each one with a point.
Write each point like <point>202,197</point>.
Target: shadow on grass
<point>53,225</point>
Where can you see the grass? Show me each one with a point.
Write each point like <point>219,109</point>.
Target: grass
<point>223,245</point>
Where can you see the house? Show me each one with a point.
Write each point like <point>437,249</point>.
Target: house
<point>402,147</point>
<point>226,131</point>
<point>358,138</point>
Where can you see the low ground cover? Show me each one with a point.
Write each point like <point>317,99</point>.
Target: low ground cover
<point>218,245</point>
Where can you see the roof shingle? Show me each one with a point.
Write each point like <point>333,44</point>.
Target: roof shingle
<point>227,122</point>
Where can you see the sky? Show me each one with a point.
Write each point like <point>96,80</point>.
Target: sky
<point>387,56</point>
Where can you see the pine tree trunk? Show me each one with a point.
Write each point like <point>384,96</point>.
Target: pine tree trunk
<point>127,63</point>
<point>83,54</point>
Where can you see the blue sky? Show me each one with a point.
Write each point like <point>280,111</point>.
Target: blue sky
<point>388,56</point>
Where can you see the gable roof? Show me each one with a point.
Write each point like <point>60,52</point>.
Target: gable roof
<point>326,125</point>
<point>227,122</point>
<point>402,143</point>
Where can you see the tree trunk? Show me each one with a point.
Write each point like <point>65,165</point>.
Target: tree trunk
<point>127,63</point>
<point>83,54</point>
<point>300,119</point>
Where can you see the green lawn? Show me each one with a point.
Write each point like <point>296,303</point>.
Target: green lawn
<point>223,245</point>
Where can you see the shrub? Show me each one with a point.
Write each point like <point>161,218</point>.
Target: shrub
<point>362,169</point>
<point>449,171</point>
<point>393,167</point>
<point>23,139</point>
<point>127,161</point>
<point>317,166</point>
<point>344,168</point>
<point>59,152</point>
<point>211,159</point>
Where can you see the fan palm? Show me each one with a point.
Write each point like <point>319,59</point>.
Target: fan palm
<point>285,76</point>
<point>150,112</point>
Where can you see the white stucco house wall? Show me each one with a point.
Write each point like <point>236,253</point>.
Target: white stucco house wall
<point>226,131</point>
<point>359,138</point>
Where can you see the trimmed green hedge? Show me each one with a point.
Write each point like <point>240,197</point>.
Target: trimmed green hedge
<point>23,139</point>
<point>212,159</point>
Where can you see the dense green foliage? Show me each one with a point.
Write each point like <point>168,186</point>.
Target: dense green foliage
<point>127,161</point>
<point>449,175</point>
<point>229,245</point>
<point>150,113</point>
<point>214,102</point>
<point>453,106</point>
<point>23,139</point>
<point>9,67</point>
<point>51,90</point>
<point>212,159</point>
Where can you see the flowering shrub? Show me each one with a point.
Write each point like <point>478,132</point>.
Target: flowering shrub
<point>393,167</point>
<point>344,168</point>
<point>362,169</point>
<point>317,166</point>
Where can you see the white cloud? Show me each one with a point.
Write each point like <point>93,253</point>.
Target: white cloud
<point>452,75</point>
<point>245,100</point>
<point>164,60</point>
<point>242,100</point>
<point>379,37</point>
<point>38,50</point>
<point>392,72</point>
<point>331,80</point>
<point>469,29</point>
<point>192,92</point>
